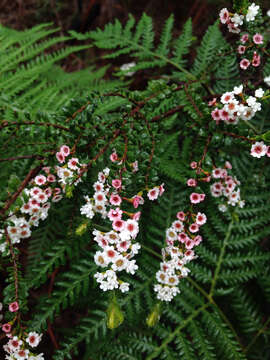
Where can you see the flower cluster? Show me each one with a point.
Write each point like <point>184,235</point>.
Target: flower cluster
<point>226,187</point>
<point>118,246</point>
<point>46,188</point>
<point>234,21</point>
<point>20,348</point>
<point>259,149</point>
<point>181,237</point>
<point>235,105</point>
<point>251,42</point>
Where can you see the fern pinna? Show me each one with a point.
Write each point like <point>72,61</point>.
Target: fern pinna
<point>134,223</point>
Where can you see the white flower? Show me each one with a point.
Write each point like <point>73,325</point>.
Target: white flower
<point>100,198</point>
<point>128,66</point>
<point>3,247</point>
<point>171,234</point>
<point>33,339</point>
<point>132,227</point>
<point>237,19</point>
<point>124,287</point>
<point>238,89</point>
<point>101,259</point>
<point>268,13</point>
<point>258,149</point>
<point>248,113</point>
<point>131,267</point>
<point>125,235</point>
<point>135,248</point>
<point>106,171</point>
<point>252,12</point>
<point>227,97</point>
<point>87,210</point>
<point>259,93</point>
<point>251,100</point>
<point>241,203</point>
<point>21,354</point>
<point>166,293</point>
<point>119,263</point>
<point>267,80</point>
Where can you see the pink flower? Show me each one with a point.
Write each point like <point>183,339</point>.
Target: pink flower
<point>115,199</point>
<point>224,115</point>
<point>40,179</point>
<point>137,200</point>
<point>193,165</point>
<point>256,60</point>
<point>132,227</point>
<point>51,178</point>
<point>46,169</point>
<point>201,218</point>
<point>241,49</point>
<point>60,157</point>
<point>6,327</point>
<point>178,225</point>
<point>215,114</point>
<point>244,38</point>
<point>244,64</point>
<point>212,102</point>
<point>191,182</point>
<point>115,214</point>
<point>161,189</point>
<point>189,244</point>
<point>13,307</point>
<point>202,197</point>
<point>182,237</point>
<point>233,28</point>
<point>194,228</point>
<point>153,194</point>
<point>136,216</point>
<point>65,150</point>
<point>73,163</point>
<point>118,225</point>
<point>195,198</point>
<point>258,39</point>
<point>117,183</point>
<point>180,215</point>
<point>224,16</point>
<point>258,149</point>
<point>228,165</point>
<point>114,157</point>
<point>57,191</point>
<point>216,173</point>
<point>57,198</point>
<point>268,151</point>
<point>197,240</point>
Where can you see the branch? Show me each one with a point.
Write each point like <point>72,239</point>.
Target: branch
<point>32,173</point>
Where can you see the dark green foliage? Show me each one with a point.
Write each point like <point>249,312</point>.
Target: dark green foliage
<point>221,311</point>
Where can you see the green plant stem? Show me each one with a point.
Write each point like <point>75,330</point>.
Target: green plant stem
<point>176,331</point>
<point>221,256</point>
<point>248,347</point>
